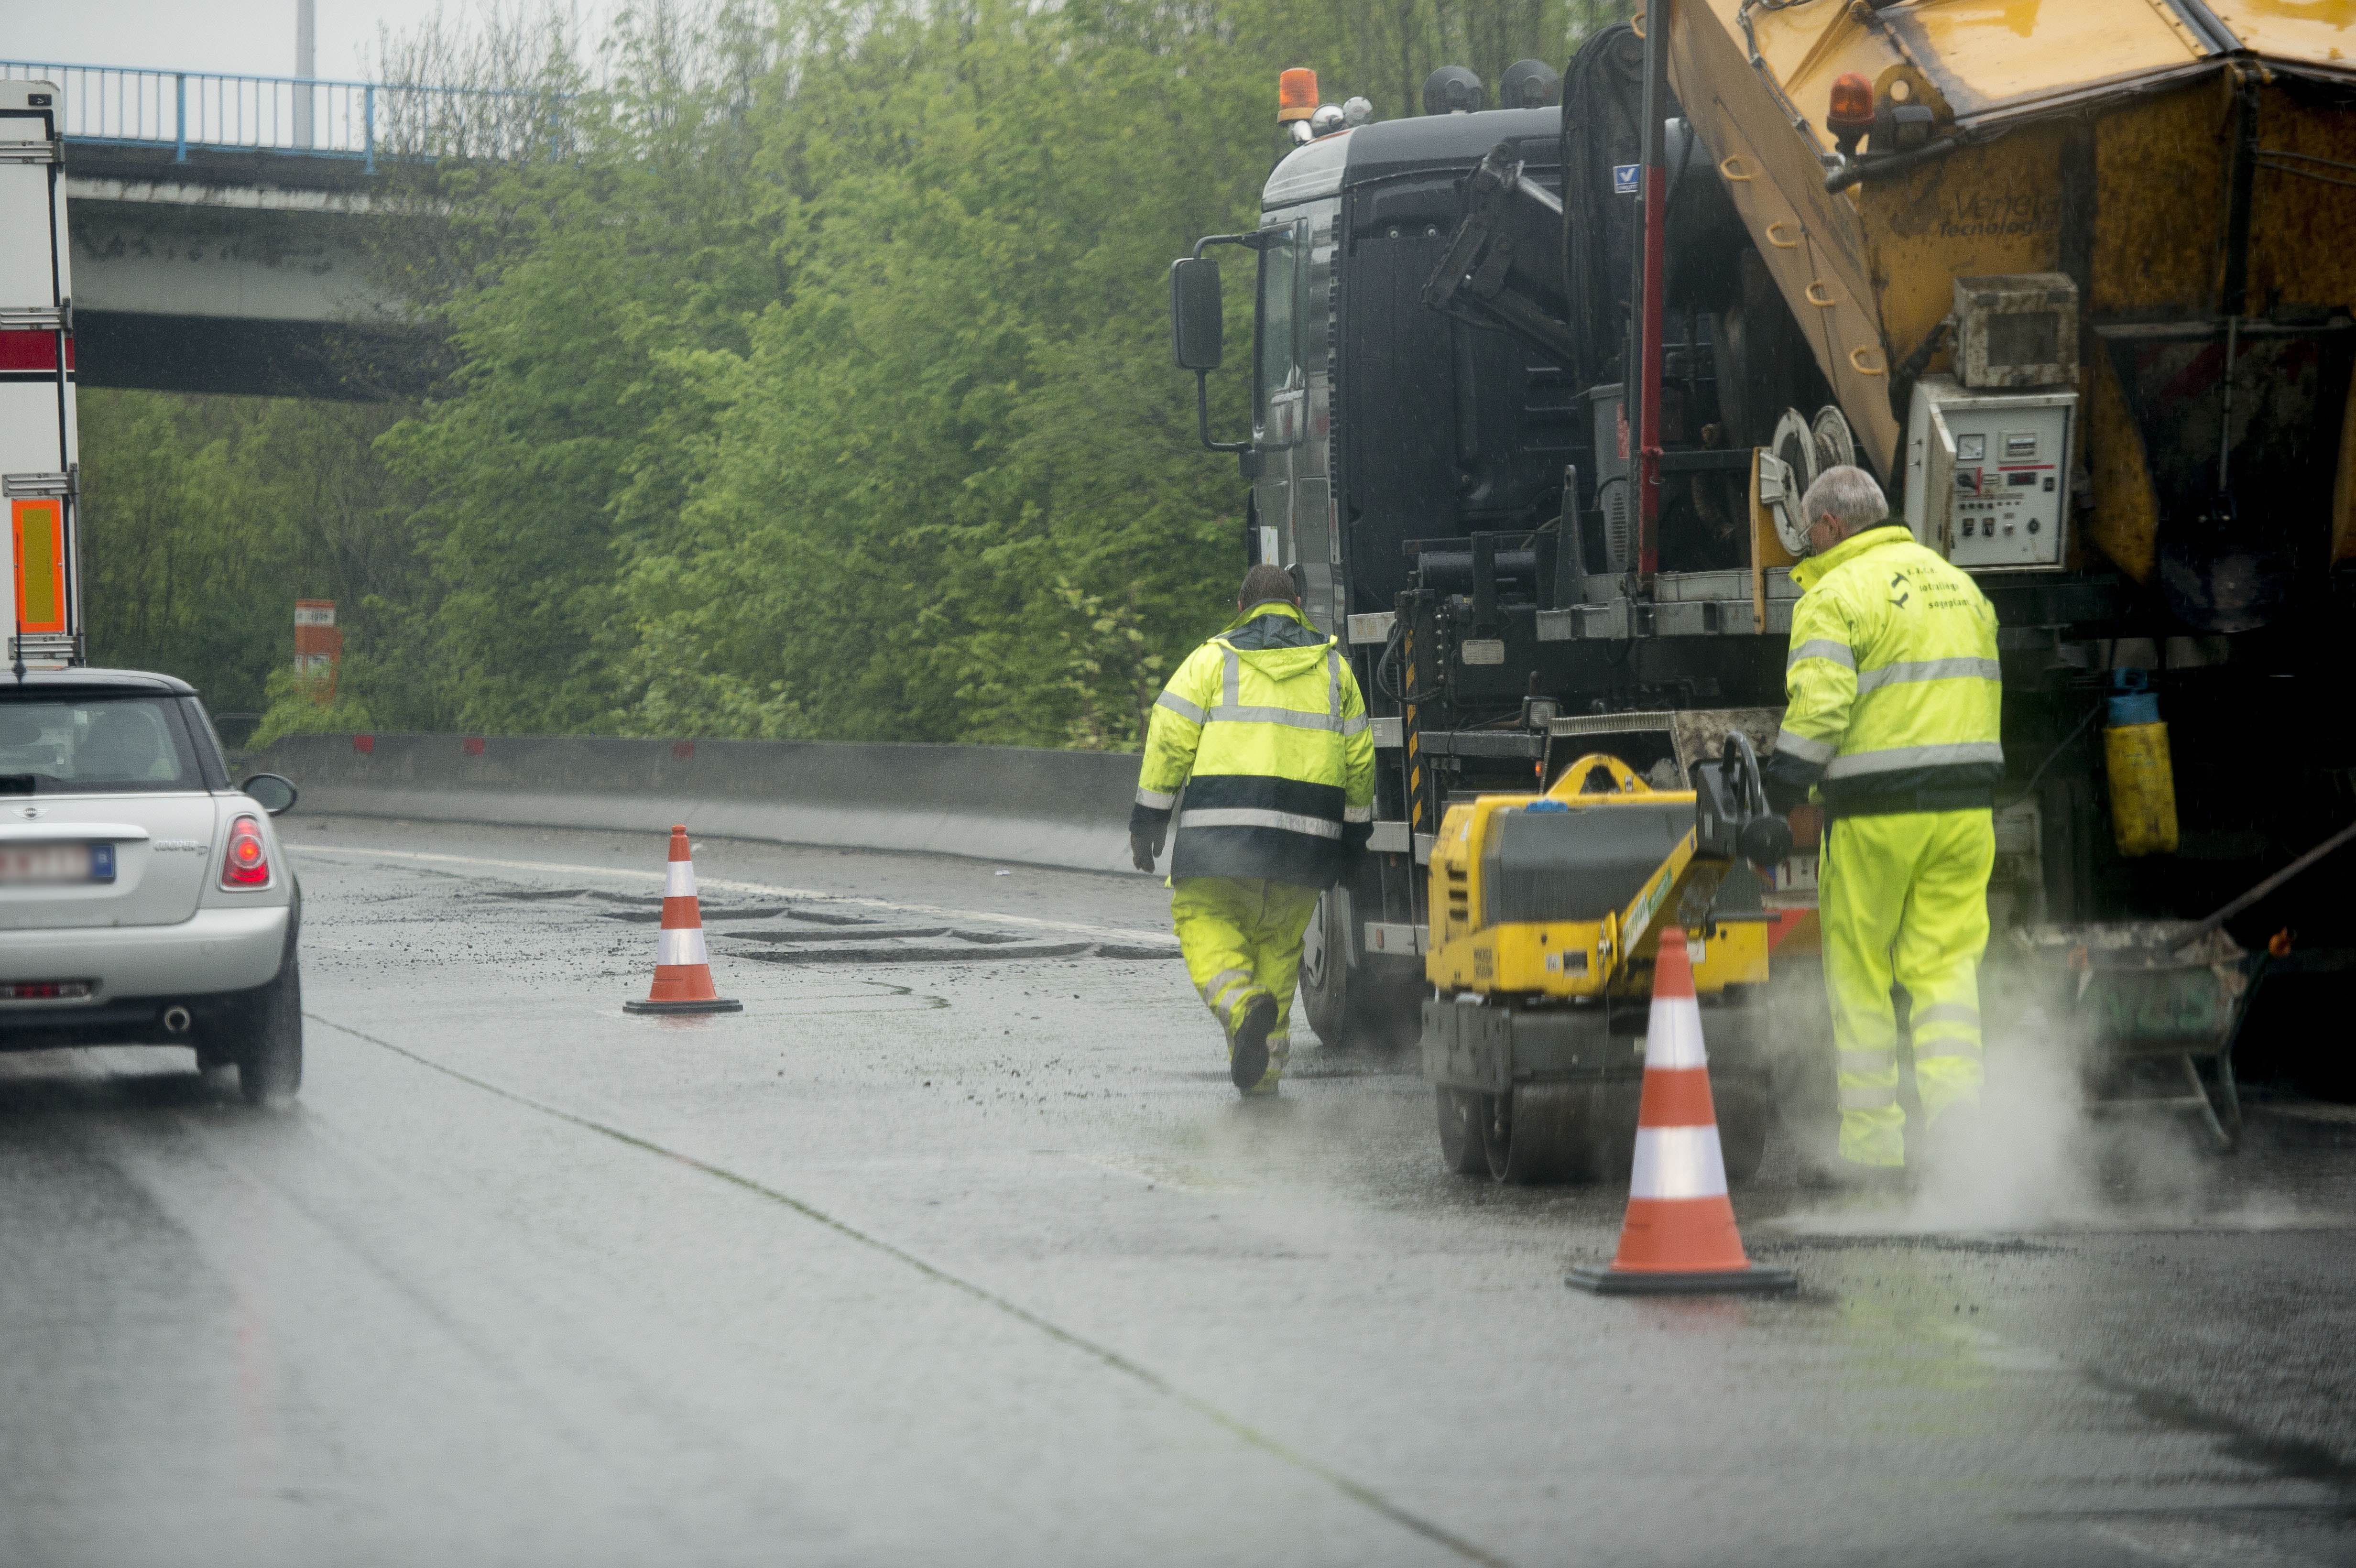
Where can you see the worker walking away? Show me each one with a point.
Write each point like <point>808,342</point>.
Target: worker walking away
<point>1264,727</point>
<point>1895,697</point>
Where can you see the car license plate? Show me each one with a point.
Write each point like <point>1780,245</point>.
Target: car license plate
<point>24,865</point>
<point>1796,875</point>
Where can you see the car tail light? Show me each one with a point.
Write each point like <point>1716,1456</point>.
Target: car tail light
<point>247,864</point>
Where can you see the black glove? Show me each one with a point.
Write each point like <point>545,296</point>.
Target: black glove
<point>1147,829</point>
<point>1787,781</point>
<point>1353,850</point>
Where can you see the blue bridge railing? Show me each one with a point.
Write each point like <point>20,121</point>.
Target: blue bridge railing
<point>365,121</point>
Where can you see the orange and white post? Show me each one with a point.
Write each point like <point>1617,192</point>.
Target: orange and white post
<point>682,967</point>
<point>1680,1235</point>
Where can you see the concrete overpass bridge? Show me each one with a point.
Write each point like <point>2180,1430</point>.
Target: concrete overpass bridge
<point>226,228</point>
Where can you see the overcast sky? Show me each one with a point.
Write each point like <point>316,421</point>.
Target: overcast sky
<point>247,36</point>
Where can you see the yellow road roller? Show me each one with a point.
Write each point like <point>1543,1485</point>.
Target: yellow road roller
<point>1546,913</point>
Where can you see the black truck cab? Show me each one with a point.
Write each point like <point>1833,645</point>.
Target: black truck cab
<point>1462,428</point>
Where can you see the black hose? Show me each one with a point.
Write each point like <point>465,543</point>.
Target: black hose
<point>2052,757</point>
<point>1856,173</point>
<point>1388,660</point>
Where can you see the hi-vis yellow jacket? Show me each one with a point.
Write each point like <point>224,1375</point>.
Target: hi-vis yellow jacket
<point>1895,695</point>
<point>1264,727</point>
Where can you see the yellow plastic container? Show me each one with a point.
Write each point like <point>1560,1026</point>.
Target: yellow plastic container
<point>2143,788</point>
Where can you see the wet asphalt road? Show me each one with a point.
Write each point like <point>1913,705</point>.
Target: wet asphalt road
<point>975,1257</point>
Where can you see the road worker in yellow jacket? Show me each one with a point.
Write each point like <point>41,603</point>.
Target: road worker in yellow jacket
<point>1892,721</point>
<point>1264,729</point>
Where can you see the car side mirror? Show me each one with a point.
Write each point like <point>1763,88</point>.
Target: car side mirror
<point>1197,316</point>
<point>273,794</point>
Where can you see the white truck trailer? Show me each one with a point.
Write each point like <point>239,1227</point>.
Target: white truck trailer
<point>40,610</point>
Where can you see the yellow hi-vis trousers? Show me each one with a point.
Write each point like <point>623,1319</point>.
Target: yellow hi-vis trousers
<point>1241,938</point>
<point>1904,898</point>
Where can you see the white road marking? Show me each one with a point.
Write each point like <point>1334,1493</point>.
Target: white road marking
<point>766,890</point>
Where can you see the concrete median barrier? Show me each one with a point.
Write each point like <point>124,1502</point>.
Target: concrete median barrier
<point>992,802</point>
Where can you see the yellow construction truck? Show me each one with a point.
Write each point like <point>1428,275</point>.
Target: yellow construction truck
<point>1536,387</point>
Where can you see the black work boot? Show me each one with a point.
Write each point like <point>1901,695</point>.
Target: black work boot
<point>1248,1051</point>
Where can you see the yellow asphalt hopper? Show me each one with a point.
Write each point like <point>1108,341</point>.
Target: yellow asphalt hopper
<point>1546,912</point>
<point>2182,164</point>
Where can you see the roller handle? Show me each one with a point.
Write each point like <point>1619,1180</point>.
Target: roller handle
<point>1731,818</point>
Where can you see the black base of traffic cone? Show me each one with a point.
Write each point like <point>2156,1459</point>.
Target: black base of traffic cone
<point>1756,1280</point>
<point>709,1005</point>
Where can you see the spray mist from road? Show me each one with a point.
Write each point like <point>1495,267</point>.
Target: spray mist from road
<point>2035,1156</point>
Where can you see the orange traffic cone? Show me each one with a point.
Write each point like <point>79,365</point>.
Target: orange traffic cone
<point>682,968</point>
<point>1679,1236</point>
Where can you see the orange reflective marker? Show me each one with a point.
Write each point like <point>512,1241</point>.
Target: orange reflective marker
<point>37,530</point>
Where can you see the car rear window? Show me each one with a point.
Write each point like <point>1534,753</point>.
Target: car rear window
<point>94,743</point>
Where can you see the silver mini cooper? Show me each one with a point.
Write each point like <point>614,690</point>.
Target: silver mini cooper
<point>145,898</point>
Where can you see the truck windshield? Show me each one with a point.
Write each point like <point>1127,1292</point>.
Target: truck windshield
<point>1281,267</point>
<point>94,743</point>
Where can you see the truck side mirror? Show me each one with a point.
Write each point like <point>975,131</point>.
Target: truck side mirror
<point>1197,318</point>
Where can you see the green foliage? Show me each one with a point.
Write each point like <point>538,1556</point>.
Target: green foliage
<point>205,519</point>
<point>823,390</point>
<point>294,708</point>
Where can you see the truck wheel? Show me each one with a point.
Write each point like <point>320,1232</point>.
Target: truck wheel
<point>1326,969</point>
<point>269,1057</point>
<point>1463,1123</point>
<point>1374,1005</point>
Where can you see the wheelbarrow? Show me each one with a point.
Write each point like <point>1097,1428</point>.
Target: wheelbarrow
<point>2167,996</point>
<point>2155,1014</point>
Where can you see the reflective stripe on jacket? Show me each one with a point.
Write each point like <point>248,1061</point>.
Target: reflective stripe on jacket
<point>1265,729</point>
<point>1895,694</point>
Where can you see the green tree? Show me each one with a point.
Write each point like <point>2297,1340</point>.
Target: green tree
<point>810,375</point>
<point>205,519</point>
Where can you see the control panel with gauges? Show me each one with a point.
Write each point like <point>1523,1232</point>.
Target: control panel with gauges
<point>1988,473</point>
